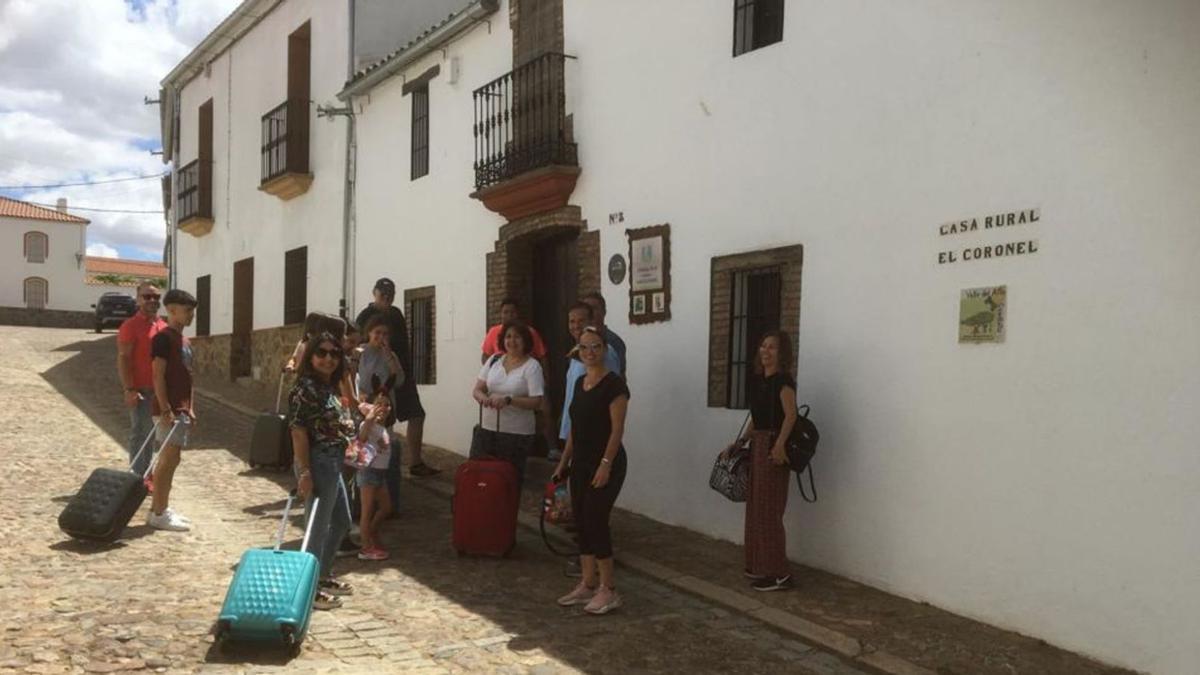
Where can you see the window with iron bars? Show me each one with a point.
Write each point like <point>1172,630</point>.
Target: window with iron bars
<point>755,308</point>
<point>420,132</point>
<point>756,24</point>
<point>422,322</point>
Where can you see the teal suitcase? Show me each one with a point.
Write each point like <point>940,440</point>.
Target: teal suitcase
<point>271,596</point>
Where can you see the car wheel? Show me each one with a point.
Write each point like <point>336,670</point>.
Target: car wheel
<point>99,327</point>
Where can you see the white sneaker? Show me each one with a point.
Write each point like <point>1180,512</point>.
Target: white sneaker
<point>178,515</point>
<point>167,521</point>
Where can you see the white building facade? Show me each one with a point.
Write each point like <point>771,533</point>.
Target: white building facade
<point>258,176</point>
<point>853,175</point>
<point>43,251</point>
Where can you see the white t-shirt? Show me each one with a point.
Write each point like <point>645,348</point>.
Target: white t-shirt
<point>525,380</point>
<point>378,437</point>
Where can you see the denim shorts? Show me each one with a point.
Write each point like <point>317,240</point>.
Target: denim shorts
<point>369,477</point>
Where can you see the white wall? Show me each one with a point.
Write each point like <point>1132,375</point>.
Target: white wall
<point>62,269</point>
<point>1049,484</point>
<point>428,232</point>
<point>250,222</point>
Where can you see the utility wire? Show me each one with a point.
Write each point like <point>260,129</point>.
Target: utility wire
<point>86,208</point>
<point>94,182</point>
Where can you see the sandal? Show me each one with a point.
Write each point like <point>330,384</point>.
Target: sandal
<point>332,586</point>
<point>326,601</point>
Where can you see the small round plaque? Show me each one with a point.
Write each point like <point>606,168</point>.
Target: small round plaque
<point>617,268</point>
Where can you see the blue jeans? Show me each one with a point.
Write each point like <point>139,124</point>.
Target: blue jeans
<point>331,520</point>
<point>394,473</point>
<point>140,425</point>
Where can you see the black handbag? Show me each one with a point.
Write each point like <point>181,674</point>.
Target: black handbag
<point>731,474</point>
<point>801,446</point>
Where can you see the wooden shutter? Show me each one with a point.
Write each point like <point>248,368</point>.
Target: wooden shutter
<point>295,285</point>
<point>203,304</point>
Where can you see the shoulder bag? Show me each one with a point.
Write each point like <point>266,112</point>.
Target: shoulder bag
<point>731,474</point>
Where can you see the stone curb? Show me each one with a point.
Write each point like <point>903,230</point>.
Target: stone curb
<point>236,407</point>
<point>831,640</point>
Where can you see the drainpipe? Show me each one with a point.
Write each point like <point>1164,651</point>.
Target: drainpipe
<point>348,233</point>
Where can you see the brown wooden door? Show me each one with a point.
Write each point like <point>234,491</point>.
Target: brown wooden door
<point>240,351</point>
<point>555,280</point>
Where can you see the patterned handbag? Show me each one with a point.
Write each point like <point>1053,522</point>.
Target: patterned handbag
<point>360,453</point>
<point>731,474</point>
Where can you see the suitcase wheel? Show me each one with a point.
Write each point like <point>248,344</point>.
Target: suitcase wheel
<point>222,631</point>
<point>289,635</point>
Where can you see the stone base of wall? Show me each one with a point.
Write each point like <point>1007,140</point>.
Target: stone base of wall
<point>270,349</point>
<point>46,318</point>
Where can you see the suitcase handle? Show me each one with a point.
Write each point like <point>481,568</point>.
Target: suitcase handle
<point>154,462</point>
<point>279,393</point>
<point>283,522</point>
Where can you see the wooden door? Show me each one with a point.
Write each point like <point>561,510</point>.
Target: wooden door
<point>555,280</point>
<point>241,349</point>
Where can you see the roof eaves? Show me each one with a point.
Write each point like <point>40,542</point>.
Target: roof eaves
<point>368,78</point>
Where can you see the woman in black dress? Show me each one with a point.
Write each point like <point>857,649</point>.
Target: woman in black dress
<point>597,462</point>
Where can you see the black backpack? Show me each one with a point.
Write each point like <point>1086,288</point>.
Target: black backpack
<point>801,446</point>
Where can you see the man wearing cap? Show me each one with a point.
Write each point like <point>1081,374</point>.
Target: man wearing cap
<point>406,402</point>
<point>133,367</point>
<point>173,399</point>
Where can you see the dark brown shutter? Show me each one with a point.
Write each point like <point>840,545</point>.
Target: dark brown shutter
<point>295,285</point>
<point>205,155</point>
<point>298,95</point>
<point>203,304</point>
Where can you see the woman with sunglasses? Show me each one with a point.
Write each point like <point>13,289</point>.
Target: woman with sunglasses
<point>321,430</point>
<point>597,464</point>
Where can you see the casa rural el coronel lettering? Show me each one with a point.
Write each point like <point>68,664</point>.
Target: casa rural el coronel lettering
<point>992,222</point>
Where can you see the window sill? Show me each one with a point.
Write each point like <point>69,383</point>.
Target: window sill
<point>197,226</point>
<point>288,186</point>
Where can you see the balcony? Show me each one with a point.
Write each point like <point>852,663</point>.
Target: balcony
<point>525,160</point>
<point>285,150</point>
<point>194,201</point>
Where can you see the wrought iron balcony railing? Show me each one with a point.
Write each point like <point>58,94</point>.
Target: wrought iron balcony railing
<point>285,140</point>
<point>195,190</point>
<point>520,122</point>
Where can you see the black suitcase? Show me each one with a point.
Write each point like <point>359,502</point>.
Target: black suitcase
<point>271,441</point>
<point>107,501</point>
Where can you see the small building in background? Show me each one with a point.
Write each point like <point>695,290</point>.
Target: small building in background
<point>41,265</point>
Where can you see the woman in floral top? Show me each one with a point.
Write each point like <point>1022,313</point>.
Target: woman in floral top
<point>321,430</point>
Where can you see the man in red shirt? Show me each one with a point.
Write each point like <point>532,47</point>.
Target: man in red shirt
<point>510,311</point>
<point>133,366</point>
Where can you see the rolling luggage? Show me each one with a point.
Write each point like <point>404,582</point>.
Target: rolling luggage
<point>271,595</point>
<point>108,499</point>
<point>271,442</point>
<point>485,504</point>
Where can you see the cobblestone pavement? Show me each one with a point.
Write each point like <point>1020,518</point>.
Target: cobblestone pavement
<point>148,601</point>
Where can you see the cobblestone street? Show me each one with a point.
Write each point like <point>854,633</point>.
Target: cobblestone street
<point>148,601</point>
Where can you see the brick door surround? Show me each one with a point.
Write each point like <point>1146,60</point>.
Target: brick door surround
<point>509,265</point>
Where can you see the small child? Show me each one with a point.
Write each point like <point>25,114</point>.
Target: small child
<point>372,479</point>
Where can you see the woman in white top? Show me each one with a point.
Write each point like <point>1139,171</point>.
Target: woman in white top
<point>511,384</point>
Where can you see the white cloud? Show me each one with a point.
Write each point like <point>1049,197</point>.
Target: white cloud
<point>101,250</point>
<point>72,77</point>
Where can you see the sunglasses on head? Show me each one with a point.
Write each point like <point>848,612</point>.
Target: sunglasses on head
<point>321,353</point>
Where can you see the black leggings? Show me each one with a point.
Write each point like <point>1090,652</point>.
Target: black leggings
<point>593,506</point>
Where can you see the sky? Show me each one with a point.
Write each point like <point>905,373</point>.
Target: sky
<point>73,75</point>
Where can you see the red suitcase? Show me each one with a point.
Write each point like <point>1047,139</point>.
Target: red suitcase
<point>485,505</point>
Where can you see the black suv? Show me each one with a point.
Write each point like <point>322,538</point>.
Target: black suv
<point>113,309</point>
